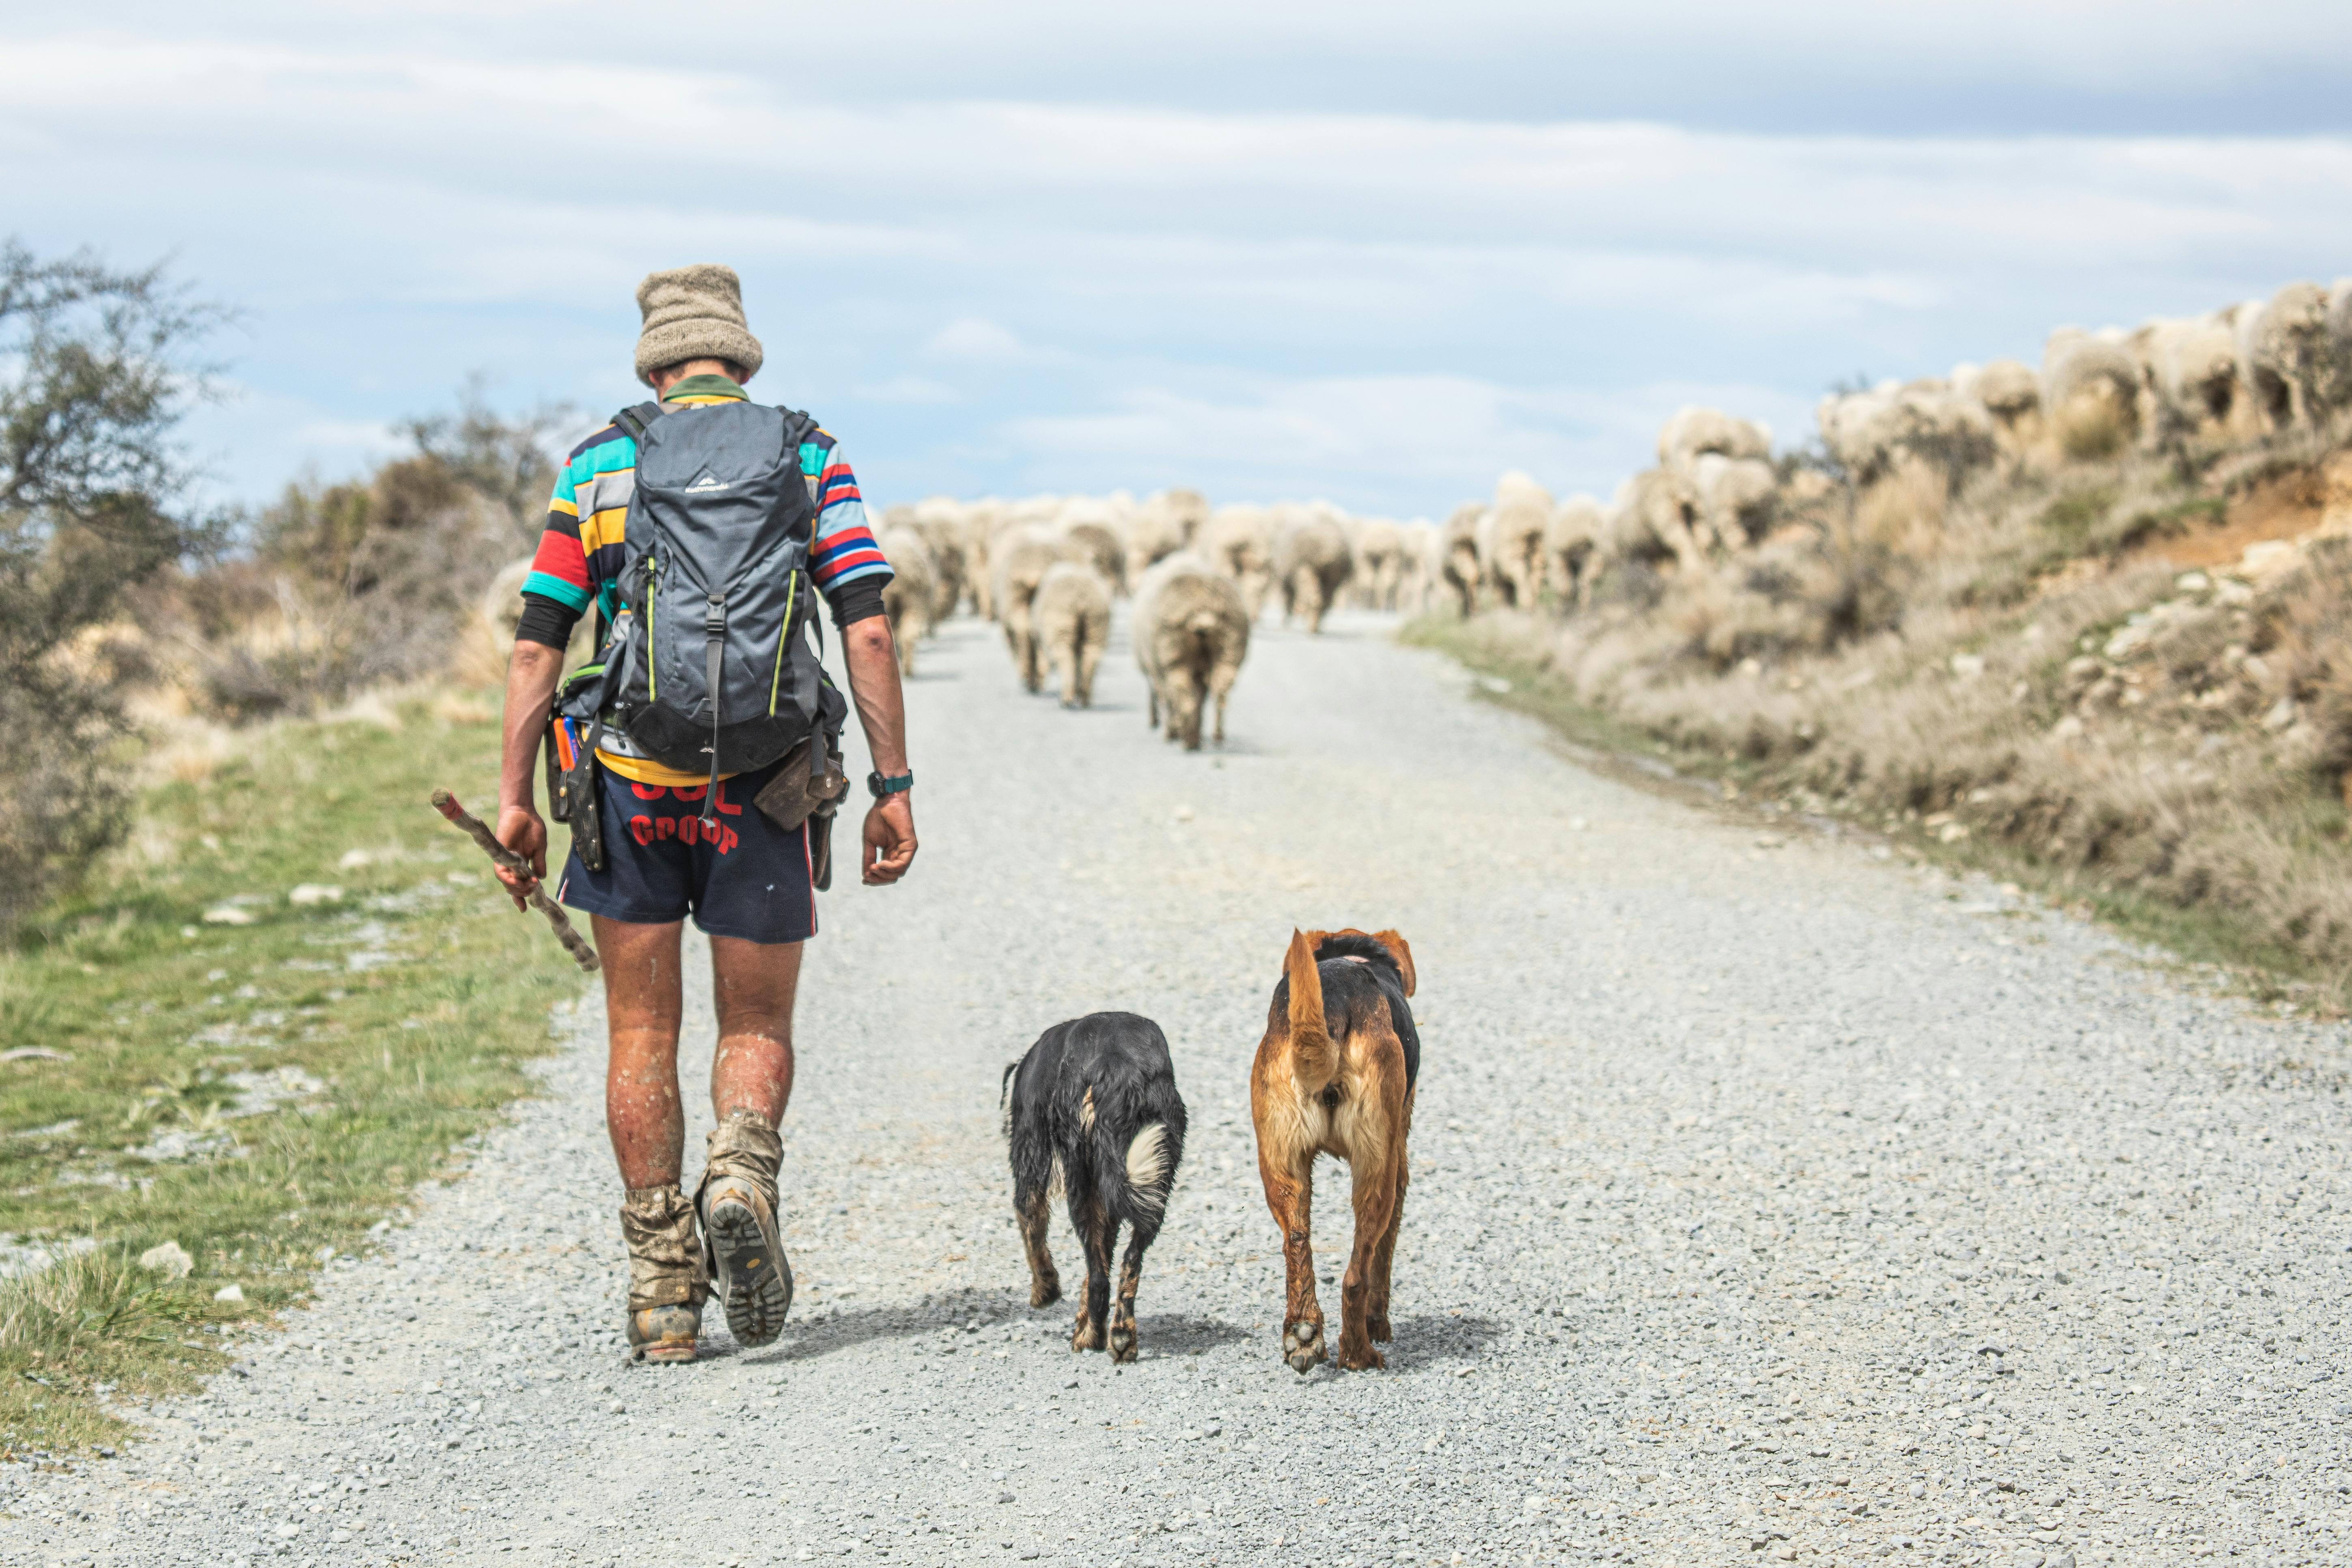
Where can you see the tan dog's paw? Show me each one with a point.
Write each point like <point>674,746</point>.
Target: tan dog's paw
<point>1376,1325</point>
<point>1359,1357</point>
<point>1085,1335</point>
<point>1302,1345</point>
<point>1045,1290</point>
<point>1122,1341</point>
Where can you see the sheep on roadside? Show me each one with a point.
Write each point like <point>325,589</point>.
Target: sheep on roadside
<point>1570,539</point>
<point>1023,557</point>
<point>2011,394</point>
<point>911,597</point>
<point>1192,632</point>
<point>1456,562</point>
<point>1240,543</point>
<point>1694,431</point>
<point>1735,499</point>
<point>1653,519</point>
<point>2283,355</point>
<point>2091,388</point>
<point>1511,548</point>
<point>1313,562</point>
<point>1070,620</point>
<point>2189,368</point>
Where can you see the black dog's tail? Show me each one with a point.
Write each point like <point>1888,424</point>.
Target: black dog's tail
<point>1005,1098</point>
<point>1150,1166</point>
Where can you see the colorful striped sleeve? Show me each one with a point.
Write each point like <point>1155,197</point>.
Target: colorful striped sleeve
<point>567,567</point>
<point>845,551</point>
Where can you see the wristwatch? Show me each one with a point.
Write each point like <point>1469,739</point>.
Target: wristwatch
<point>878,787</point>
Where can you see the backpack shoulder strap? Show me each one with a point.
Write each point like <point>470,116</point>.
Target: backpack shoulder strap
<point>798,428</point>
<point>635,417</point>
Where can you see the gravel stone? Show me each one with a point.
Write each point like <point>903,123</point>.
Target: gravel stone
<point>1785,1204</point>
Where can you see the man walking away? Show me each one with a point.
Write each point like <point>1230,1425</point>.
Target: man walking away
<point>692,750</point>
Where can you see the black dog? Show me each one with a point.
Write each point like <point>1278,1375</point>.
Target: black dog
<point>1095,1104</point>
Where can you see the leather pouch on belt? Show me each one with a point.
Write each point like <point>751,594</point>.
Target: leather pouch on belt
<point>793,793</point>
<point>793,797</point>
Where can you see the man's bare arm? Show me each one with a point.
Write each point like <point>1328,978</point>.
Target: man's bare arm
<point>533,674</point>
<point>873,661</point>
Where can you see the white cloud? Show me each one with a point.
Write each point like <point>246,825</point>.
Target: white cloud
<point>1142,278</point>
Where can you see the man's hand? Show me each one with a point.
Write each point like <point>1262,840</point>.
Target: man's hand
<point>889,840</point>
<point>521,830</point>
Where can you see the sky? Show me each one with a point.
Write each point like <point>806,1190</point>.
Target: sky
<point>1373,252</point>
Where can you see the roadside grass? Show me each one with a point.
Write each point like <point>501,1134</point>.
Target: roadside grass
<point>261,1088</point>
<point>2213,943</point>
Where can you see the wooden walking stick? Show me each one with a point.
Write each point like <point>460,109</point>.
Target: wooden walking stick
<point>507,859</point>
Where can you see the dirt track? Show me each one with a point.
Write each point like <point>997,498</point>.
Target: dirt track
<point>1769,1201</point>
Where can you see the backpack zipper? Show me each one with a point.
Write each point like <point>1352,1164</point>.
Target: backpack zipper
<point>652,571</point>
<point>776,681</point>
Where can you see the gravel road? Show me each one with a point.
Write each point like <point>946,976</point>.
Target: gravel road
<point>1771,1202</point>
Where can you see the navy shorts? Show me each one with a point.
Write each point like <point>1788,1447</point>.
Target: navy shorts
<point>744,877</point>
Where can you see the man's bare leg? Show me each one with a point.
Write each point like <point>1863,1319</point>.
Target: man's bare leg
<point>755,984</point>
<point>643,1001</point>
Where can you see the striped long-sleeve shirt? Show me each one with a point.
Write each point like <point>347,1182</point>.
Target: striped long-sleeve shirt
<point>581,551</point>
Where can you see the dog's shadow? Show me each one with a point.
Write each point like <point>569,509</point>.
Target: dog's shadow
<point>1439,1342</point>
<point>1182,1333</point>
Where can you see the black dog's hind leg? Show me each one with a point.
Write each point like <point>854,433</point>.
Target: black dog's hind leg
<point>1097,1234</point>
<point>1141,1232</point>
<point>1033,1179</point>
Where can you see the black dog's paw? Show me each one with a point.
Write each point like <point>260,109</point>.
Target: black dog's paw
<point>1122,1341</point>
<point>1044,1292</point>
<point>1302,1345</point>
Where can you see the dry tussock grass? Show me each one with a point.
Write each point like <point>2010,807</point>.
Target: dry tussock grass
<point>2012,662</point>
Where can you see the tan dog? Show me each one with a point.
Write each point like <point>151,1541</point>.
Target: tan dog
<point>1335,1075</point>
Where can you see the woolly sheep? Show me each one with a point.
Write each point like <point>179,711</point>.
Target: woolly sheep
<point>912,596</point>
<point>1418,583</point>
<point>1312,563</point>
<point>1167,521</point>
<point>1087,534</point>
<point>1511,545</point>
<point>1381,562</point>
<point>1241,545</point>
<point>2011,394</point>
<point>1652,519</point>
<point>2190,370</point>
<point>1569,540</point>
<point>1457,557</point>
<point>1694,431</point>
<point>1872,432</point>
<point>1070,618</point>
<point>2283,355</point>
<point>2091,389</point>
<point>940,522</point>
<point>1024,556</point>
<point>1735,498</point>
<point>1192,632</point>
<point>981,524</point>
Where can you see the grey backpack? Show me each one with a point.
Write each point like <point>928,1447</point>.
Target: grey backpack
<point>710,670</point>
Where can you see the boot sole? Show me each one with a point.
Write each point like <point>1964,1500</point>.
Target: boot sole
<point>755,1278</point>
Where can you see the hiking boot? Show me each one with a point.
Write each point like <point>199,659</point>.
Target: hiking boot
<point>667,1284</point>
<point>743,1253</point>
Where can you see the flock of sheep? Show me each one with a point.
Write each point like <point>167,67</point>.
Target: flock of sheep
<point>1048,568</point>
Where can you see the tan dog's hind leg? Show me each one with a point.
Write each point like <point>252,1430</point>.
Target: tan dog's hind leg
<point>1290,1195</point>
<point>1374,1172</point>
<point>1375,1297</point>
<point>1045,1282</point>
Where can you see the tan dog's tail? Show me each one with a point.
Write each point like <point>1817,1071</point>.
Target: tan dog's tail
<point>1314,1061</point>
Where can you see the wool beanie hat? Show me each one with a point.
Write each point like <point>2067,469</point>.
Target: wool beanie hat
<point>694,312</point>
